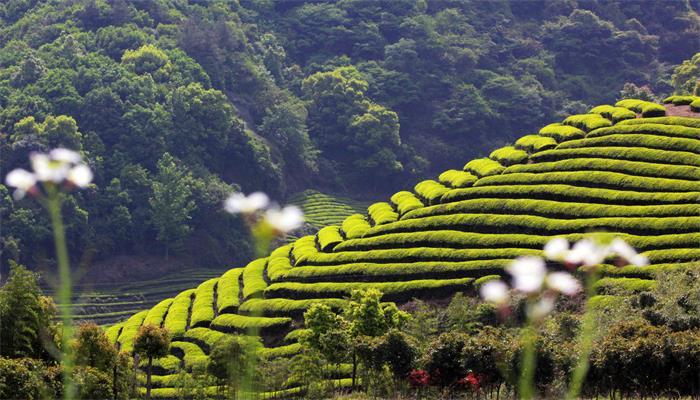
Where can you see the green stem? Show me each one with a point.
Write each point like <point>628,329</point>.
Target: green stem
<point>585,340</point>
<point>64,292</point>
<point>526,387</point>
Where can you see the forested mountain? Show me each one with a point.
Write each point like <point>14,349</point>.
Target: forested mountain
<point>176,103</point>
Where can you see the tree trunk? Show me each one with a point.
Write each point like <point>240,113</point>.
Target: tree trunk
<point>148,378</point>
<point>354,369</point>
<point>114,380</point>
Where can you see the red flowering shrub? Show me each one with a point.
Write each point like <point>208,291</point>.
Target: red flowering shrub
<point>471,381</point>
<point>418,378</point>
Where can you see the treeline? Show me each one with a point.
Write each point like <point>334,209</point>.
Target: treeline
<point>175,103</point>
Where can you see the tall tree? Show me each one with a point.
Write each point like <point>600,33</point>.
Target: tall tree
<point>171,202</point>
<point>152,342</point>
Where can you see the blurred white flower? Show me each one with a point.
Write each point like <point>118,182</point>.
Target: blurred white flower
<point>494,292</point>
<point>80,175</point>
<point>564,283</point>
<point>240,203</point>
<point>556,249</point>
<point>542,308</point>
<point>622,249</point>
<point>285,220</point>
<point>639,260</point>
<point>528,274</point>
<point>48,170</point>
<point>587,252</point>
<point>65,156</point>
<point>22,180</point>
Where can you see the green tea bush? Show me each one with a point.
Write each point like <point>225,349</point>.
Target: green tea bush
<point>676,131</point>
<point>457,179</point>
<point>240,323</point>
<point>204,337</point>
<point>355,226</point>
<point>388,271</point>
<point>406,201</point>
<point>615,114</point>
<point>178,313</point>
<point>596,179</point>
<point>431,191</point>
<point>673,255</point>
<point>228,291</point>
<point>535,143</point>
<point>646,108</point>
<point>113,331</point>
<point>604,164</point>
<point>695,105</point>
<point>382,213</point>
<point>610,285</point>
<point>279,263</point>
<point>620,153</point>
<point>673,120</point>
<point>508,155</point>
<point>156,314</point>
<point>131,327</point>
<point>587,122</point>
<point>253,278</point>
<point>163,365</point>
<point>285,307</point>
<point>571,193</point>
<point>415,255</point>
<point>537,225</point>
<point>484,167</point>
<point>555,209</point>
<point>303,248</point>
<point>561,132</point>
<point>328,237</point>
<point>190,353</point>
<point>203,305</point>
<point>680,100</point>
<point>288,350</point>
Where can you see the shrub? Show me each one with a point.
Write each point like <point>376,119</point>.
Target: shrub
<point>176,320</point>
<point>253,279</point>
<point>620,153</point>
<point>618,285</point>
<point>405,202</point>
<point>484,167</point>
<point>131,327</point>
<point>27,378</point>
<point>587,122</point>
<point>303,248</point>
<point>680,100</point>
<point>203,305</point>
<point>430,191</point>
<point>204,337</point>
<point>355,226</point>
<point>487,353</point>
<point>285,307</point>
<point>508,155</point>
<point>615,114</point>
<point>457,179</point>
<point>156,314</point>
<point>646,108</point>
<point>279,262</point>
<point>535,143</point>
<point>561,133</point>
<point>443,359</point>
<point>191,353</point>
<point>675,131</point>
<point>685,121</point>
<point>228,292</point>
<point>241,323</point>
<point>695,105</point>
<point>113,331</point>
<point>382,213</point>
<point>328,237</point>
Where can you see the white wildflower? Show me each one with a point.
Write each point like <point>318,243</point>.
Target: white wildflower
<point>285,220</point>
<point>80,175</point>
<point>48,170</point>
<point>587,252</point>
<point>564,283</point>
<point>542,308</point>
<point>65,156</point>
<point>528,274</point>
<point>240,203</point>
<point>494,292</point>
<point>22,180</point>
<point>556,249</point>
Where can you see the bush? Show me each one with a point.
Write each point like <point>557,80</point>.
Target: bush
<point>156,314</point>
<point>131,326</point>
<point>561,133</point>
<point>508,155</point>
<point>675,131</point>
<point>405,202</point>
<point>587,122</point>
<point>328,237</point>
<point>92,383</point>
<point>487,353</point>
<point>355,226</point>
<point>176,320</point>
<point>227,293</point>
<point>253,279</point>
<point>241,323</point>
<point>303,248</point>
<point>279,262</point>
<point>646,108</point>
<point>203,305</point>
<point>484,167</point>
<point>535,143</point>
<point>27,378</point>
<point>382,213</point>
<point>680,100</point>
<point>685,121</point>
<point>620,153</point>
<point>443,359</point>
<point>430,191</point>
<point>457,179</point>
<point>615,114</point>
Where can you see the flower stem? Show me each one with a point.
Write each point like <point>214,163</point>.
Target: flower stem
<point>64,291</point>
<point>585,339</point>
<point>526,387</point>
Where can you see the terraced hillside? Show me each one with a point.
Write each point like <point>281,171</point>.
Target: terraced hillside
<point>322,209</point>
<point>625,169</point>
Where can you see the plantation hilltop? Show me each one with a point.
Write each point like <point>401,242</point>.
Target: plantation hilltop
<point>631,170</point>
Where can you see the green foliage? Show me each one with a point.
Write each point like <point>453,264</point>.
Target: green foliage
<point>328,238</point>
<point>253,280</point>
<point>685,76</point>
<point>457,179</point>
<point>482,167</point>
<point>561,133</point>
<point>178,314</point>
<point>26,316</point>
<point>615,114</point>
<point>508,156</point>
<point>148,59</point>
<point>534,143</point>
<point>355,226</point>
<point>203,304</point>
<point>228,290</point>
<point>405,201</point>
<point>156,315</point>
<point>646,108</point>
<point>431,191</point>
<point>93,348</point>
<point>229,361</point>
<point>28,378</point>
<point>382,213</point>
<point>236,323</point>
<point>587,122</point>
<point>151,342</point>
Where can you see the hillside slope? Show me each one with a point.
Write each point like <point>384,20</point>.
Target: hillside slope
<point>626,169</point>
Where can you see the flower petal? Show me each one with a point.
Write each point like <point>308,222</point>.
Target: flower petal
<point>80,175</point>
<point>494,292</point>
<point>21,179</point>
<point>65,155</point>
<point>528,273</point>
<point>556,249</point>
<point>564,283</point>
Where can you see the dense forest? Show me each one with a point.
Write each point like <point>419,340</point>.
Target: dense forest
<point>175,103</point>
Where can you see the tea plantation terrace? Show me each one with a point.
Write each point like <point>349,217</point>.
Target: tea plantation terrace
<point>625,169</point>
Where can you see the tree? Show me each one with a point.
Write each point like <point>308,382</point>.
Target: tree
<point>26,317</point>
<point>328,333</point>
<point>147,59</point>
<point>93,348</point>
<point>230,362</point>
<point>686,77</point>
<point>285,124</point>
<point>152,342</point>
<point>171,202</point>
